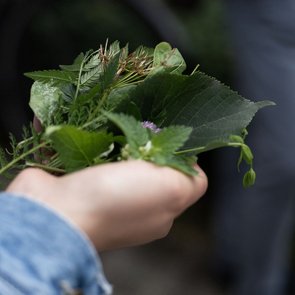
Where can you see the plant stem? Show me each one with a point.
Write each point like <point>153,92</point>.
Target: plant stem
<point>202,149</point>
<point>45,167</point>
<point>79,79</point>
<point>21,157</point>
<point>197,150</point>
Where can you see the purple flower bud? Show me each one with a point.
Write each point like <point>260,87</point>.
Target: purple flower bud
<point>150,125</point>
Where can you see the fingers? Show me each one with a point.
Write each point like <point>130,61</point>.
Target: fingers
<point>140,179</point>
<point>183,190</point>
<point>117,204</point>
<point>37,124</point>
<point>33,183</point>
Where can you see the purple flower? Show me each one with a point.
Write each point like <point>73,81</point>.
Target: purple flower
<point>150,125</point>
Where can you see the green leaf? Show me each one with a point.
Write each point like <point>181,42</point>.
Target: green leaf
<point>136,135</point>
<point>184,164</point>
<point>110,71</point>
<point>78,148</point>
<point>44,101</point>
<point>91,77</point>
<point>168,58</point>
<point>118,98</point>
<point>75,67</point>
<point>213,110</point>
<point>91,60</point>
<point>91,94</point>
<point>99,78</point>
<point>53,76</point>
<point>171,138</point>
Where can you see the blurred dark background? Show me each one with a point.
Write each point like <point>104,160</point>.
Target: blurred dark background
<point>40,34</point>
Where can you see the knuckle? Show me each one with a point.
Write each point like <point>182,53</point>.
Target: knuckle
<point>164,230</point>
<point>24,181</point>
<point>179,197</point>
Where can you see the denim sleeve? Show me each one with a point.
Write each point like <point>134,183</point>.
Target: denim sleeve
<point>41,253</point>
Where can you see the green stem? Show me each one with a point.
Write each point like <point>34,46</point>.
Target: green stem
<point>197,150</point>
<point>93,115</point>
<point>79,79</point>
<point>21,157</point>
<point>45,167</point>
<point>25,141</point>
<point>195,69</point>
<point>202,149</point>
<point>85,60</point>
<point>90,122</point>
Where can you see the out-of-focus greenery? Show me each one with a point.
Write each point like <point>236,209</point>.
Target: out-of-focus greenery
<point>59,31</point>
<point>206,26</point>
<point>67,27</point>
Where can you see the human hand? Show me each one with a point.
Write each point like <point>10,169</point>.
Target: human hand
<point>117,204</point>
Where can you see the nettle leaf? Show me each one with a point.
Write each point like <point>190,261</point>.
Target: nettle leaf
<point>165,143</point>
<point>181,163</point>
<point>44,101</point>
<point>213,110</point>
<point>78,148</point>
<point>136,135</point>
<point>170,139</point>
<point>53,76</point>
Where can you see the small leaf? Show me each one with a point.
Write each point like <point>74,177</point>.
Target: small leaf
<point>168,58</point>
<point>78,148</point>
<point>136,135</point>
<point>180,163</point>
<point>171,138</point>
<point>91,77</point>
<point>53,76</point>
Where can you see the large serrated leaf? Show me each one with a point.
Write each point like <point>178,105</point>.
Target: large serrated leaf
<point>78,148</point>
<point>213,110</point>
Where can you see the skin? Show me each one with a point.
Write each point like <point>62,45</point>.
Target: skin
<point>118,204</point>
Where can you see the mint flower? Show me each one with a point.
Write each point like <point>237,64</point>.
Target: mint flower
<point>150,125</point>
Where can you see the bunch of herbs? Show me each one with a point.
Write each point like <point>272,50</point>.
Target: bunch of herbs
<point>112,105</point>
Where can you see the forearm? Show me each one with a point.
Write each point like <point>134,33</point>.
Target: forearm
<point>41,253</point>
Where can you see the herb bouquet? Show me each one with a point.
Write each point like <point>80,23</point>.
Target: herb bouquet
<point>112,105</point>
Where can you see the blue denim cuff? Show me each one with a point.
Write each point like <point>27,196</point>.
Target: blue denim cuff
<point>42,253</point>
